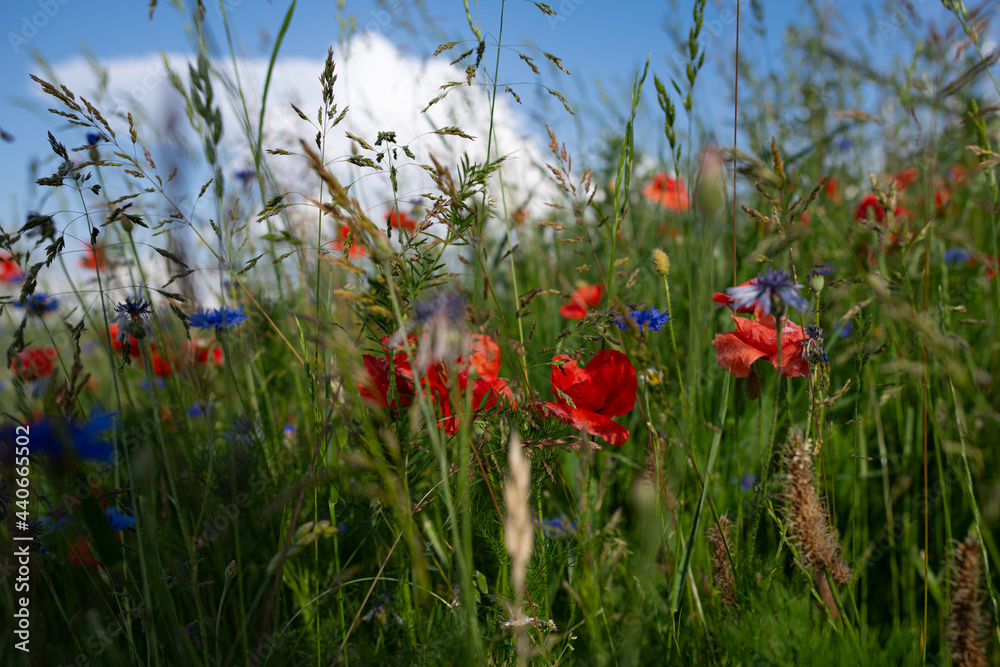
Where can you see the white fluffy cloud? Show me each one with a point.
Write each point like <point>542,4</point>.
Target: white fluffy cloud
<point>385,90</point>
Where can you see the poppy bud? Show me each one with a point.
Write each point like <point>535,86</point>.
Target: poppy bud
<point>661,262</point>
<point>752,385</point>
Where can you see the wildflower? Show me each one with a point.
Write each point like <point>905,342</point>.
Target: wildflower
<point>39,304</point>
<point>772,288</point>
<point>587,398</point>
<point>400,220</point>
<point>95,258</point>
<point>118,520</point>
<point>905,177</point>
<point>245,176</point>
<point>81,554</point>
<point>132,319</point>
<point>203,350</point>
<point>35,363</point>
<point>199,409</point>
<point>843,144</point>
<point>54,437</point>
<point>869,206</point>
<point>10,272</point>
<point>730,301</point>
<point>581,301</point>
<point>847,329</point>
<point>445,306</point>
<point>645,320</point>
<point>814,345</point>
<point>352,249</point>
<point>487,388</point>
<point>94,138</point>
<point>667,191</point>
<point>757,339</point>
<point>161,367</point>
<point>117,341</point>
<point>556,526</point>
<point>218,319</point>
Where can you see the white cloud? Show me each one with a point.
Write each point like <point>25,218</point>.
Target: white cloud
<point>385,90</point>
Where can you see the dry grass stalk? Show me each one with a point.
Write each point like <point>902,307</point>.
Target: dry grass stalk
<point>808,521</point>
<point>518,532</point>
<point>718,538</point>
<point>965,619</point>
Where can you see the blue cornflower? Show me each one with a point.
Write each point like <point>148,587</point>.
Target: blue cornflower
<point>245,175</point>
<point>847,329</point>
<point>199,409</point>
<point>95,138</point>
<point>244,432</point>
<point>843,144</point>
<point>132,318</point>
<point>556,526</point>
<point>957,255</point>
<point>649,320</point>
<point>746,482</point>
<point>39,304</point>
<point>443,306</point>
<point>118,520</point>
<point>773,287</point>
<point>814,345</point>
<point>53,437</point>
<point>218,319</point>
<point>158,383</point>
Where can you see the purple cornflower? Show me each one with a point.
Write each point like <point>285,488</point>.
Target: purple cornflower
<point>132,318</point>
<point>39,304</point>
<point>649,320</point>
<point>245,175</point>
<point>957,255</point>
<point>773,289</point>
<point>218,319</point>
<point>814,345</point>
<point>118,520</point>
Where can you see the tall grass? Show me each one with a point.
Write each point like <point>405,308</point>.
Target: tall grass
<point>402,444</point>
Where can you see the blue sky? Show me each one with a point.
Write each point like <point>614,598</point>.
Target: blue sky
<point>601,43</point>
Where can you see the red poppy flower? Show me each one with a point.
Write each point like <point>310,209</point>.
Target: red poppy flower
<point>869,206</point>
<point>436,380</point>
<point>161,367</point>
<point>757,339</point>
<point>831,189</point>
<point>133,345</point>
<point>94,259</point>
<point>81,554</point>
<point>10,272</point>
<point>582,300</point>
<point>587,398</point>
<point>357,250</point>
<point>905,177</point>
<point>376,386</point>
<point>485,356</point>
<point>201,350</point>
<point>401,220</point>
<point>667,191</point>
<point>36,363</point>
<point>726,300</point>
